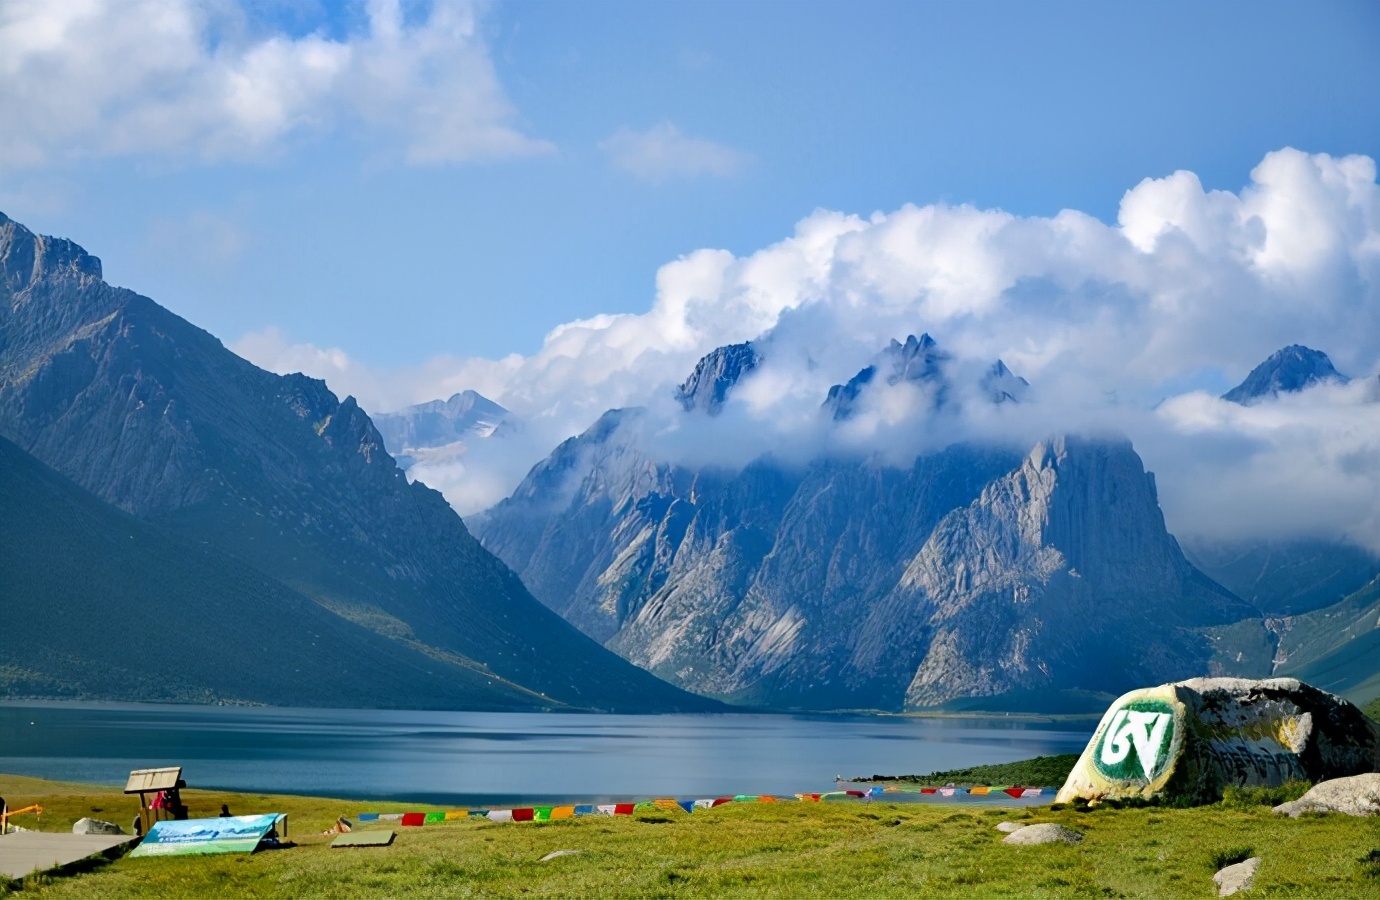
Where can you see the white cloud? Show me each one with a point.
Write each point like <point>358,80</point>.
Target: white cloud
<point>663,152</point>
<point>1117,327</point>
<point>181,79</point>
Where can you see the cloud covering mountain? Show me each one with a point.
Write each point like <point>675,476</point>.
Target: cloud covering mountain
<point>1133,327</point>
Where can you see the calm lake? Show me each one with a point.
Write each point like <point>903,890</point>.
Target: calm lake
<point>468,758</point>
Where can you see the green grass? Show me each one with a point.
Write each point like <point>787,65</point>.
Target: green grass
<point>1247,797</point>
<point>757,849</point>
<point>1372,709</point>
<point>1042,771</point>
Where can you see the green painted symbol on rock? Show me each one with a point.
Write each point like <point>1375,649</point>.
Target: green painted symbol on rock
<point>1136,742</point>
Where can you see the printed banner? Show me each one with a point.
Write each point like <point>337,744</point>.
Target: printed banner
<point>226,834</point>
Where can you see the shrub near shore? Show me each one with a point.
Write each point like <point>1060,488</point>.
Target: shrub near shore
<point>763,849</point>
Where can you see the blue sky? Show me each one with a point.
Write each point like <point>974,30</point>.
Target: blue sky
<point>564,205</point>
<point>329,233</point>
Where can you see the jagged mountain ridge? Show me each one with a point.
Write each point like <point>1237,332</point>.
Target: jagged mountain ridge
<point>156,417</point>
<point>848,583</point>
<point>917,361</point>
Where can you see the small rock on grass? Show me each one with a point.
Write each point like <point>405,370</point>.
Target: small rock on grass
<point>554,854</point>
<point>1358,795</point>
<point>96,826</point>
<point>1009,827</point>
<point>1044,833</point>
<point>1236,877</point>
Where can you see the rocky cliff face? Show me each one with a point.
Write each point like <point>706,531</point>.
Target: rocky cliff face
<point>156,417</point>
<point>975,572</point>
<point>1060,575</point>
<point>715,375</point>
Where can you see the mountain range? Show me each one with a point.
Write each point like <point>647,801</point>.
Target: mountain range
<point>182,525</point>
<point>990,576</point>
<point>256,496</point>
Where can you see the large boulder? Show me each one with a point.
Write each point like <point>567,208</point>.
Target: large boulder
<point>1355,796</point>
<point>1185,742</point>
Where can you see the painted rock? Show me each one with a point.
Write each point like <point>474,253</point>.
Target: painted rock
<point>1188,740</point>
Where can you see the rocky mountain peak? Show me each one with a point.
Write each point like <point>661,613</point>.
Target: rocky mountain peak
<point>438,423</point>
<point>1004,386</point>
<point>1287,371</point>
<point>26,258</point>
<point>917,360</point>
<point>715,375</point>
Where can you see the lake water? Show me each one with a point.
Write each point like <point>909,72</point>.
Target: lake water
<point>469,758</point>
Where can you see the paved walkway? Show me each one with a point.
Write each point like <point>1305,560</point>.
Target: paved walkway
<point>23,852</point>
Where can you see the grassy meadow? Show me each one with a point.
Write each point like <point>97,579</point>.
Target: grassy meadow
<point>745,849</point>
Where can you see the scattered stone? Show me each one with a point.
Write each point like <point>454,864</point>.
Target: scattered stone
<point>1009,827</point>
<point>1044,833</point>
<point>96,826</point>
<point>1236,877</point>
<point>554,854</point>
<point>1358,795</point>
<point>1188,740</point>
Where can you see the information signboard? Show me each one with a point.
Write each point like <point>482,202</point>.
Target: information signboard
<point>226,834</point>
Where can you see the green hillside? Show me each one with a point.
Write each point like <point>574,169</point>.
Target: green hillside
<point>100,605</point>
<point>1336,648</point>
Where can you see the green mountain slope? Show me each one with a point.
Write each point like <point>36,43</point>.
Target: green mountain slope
<point>100,605</point>
<point>1336,648</point>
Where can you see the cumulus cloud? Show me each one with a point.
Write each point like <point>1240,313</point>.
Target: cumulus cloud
<point>662,152</point>
<point>1132,327</point>
<point>184,79</point>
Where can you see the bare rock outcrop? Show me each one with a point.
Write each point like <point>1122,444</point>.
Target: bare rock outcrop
<point>1358,795</point>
